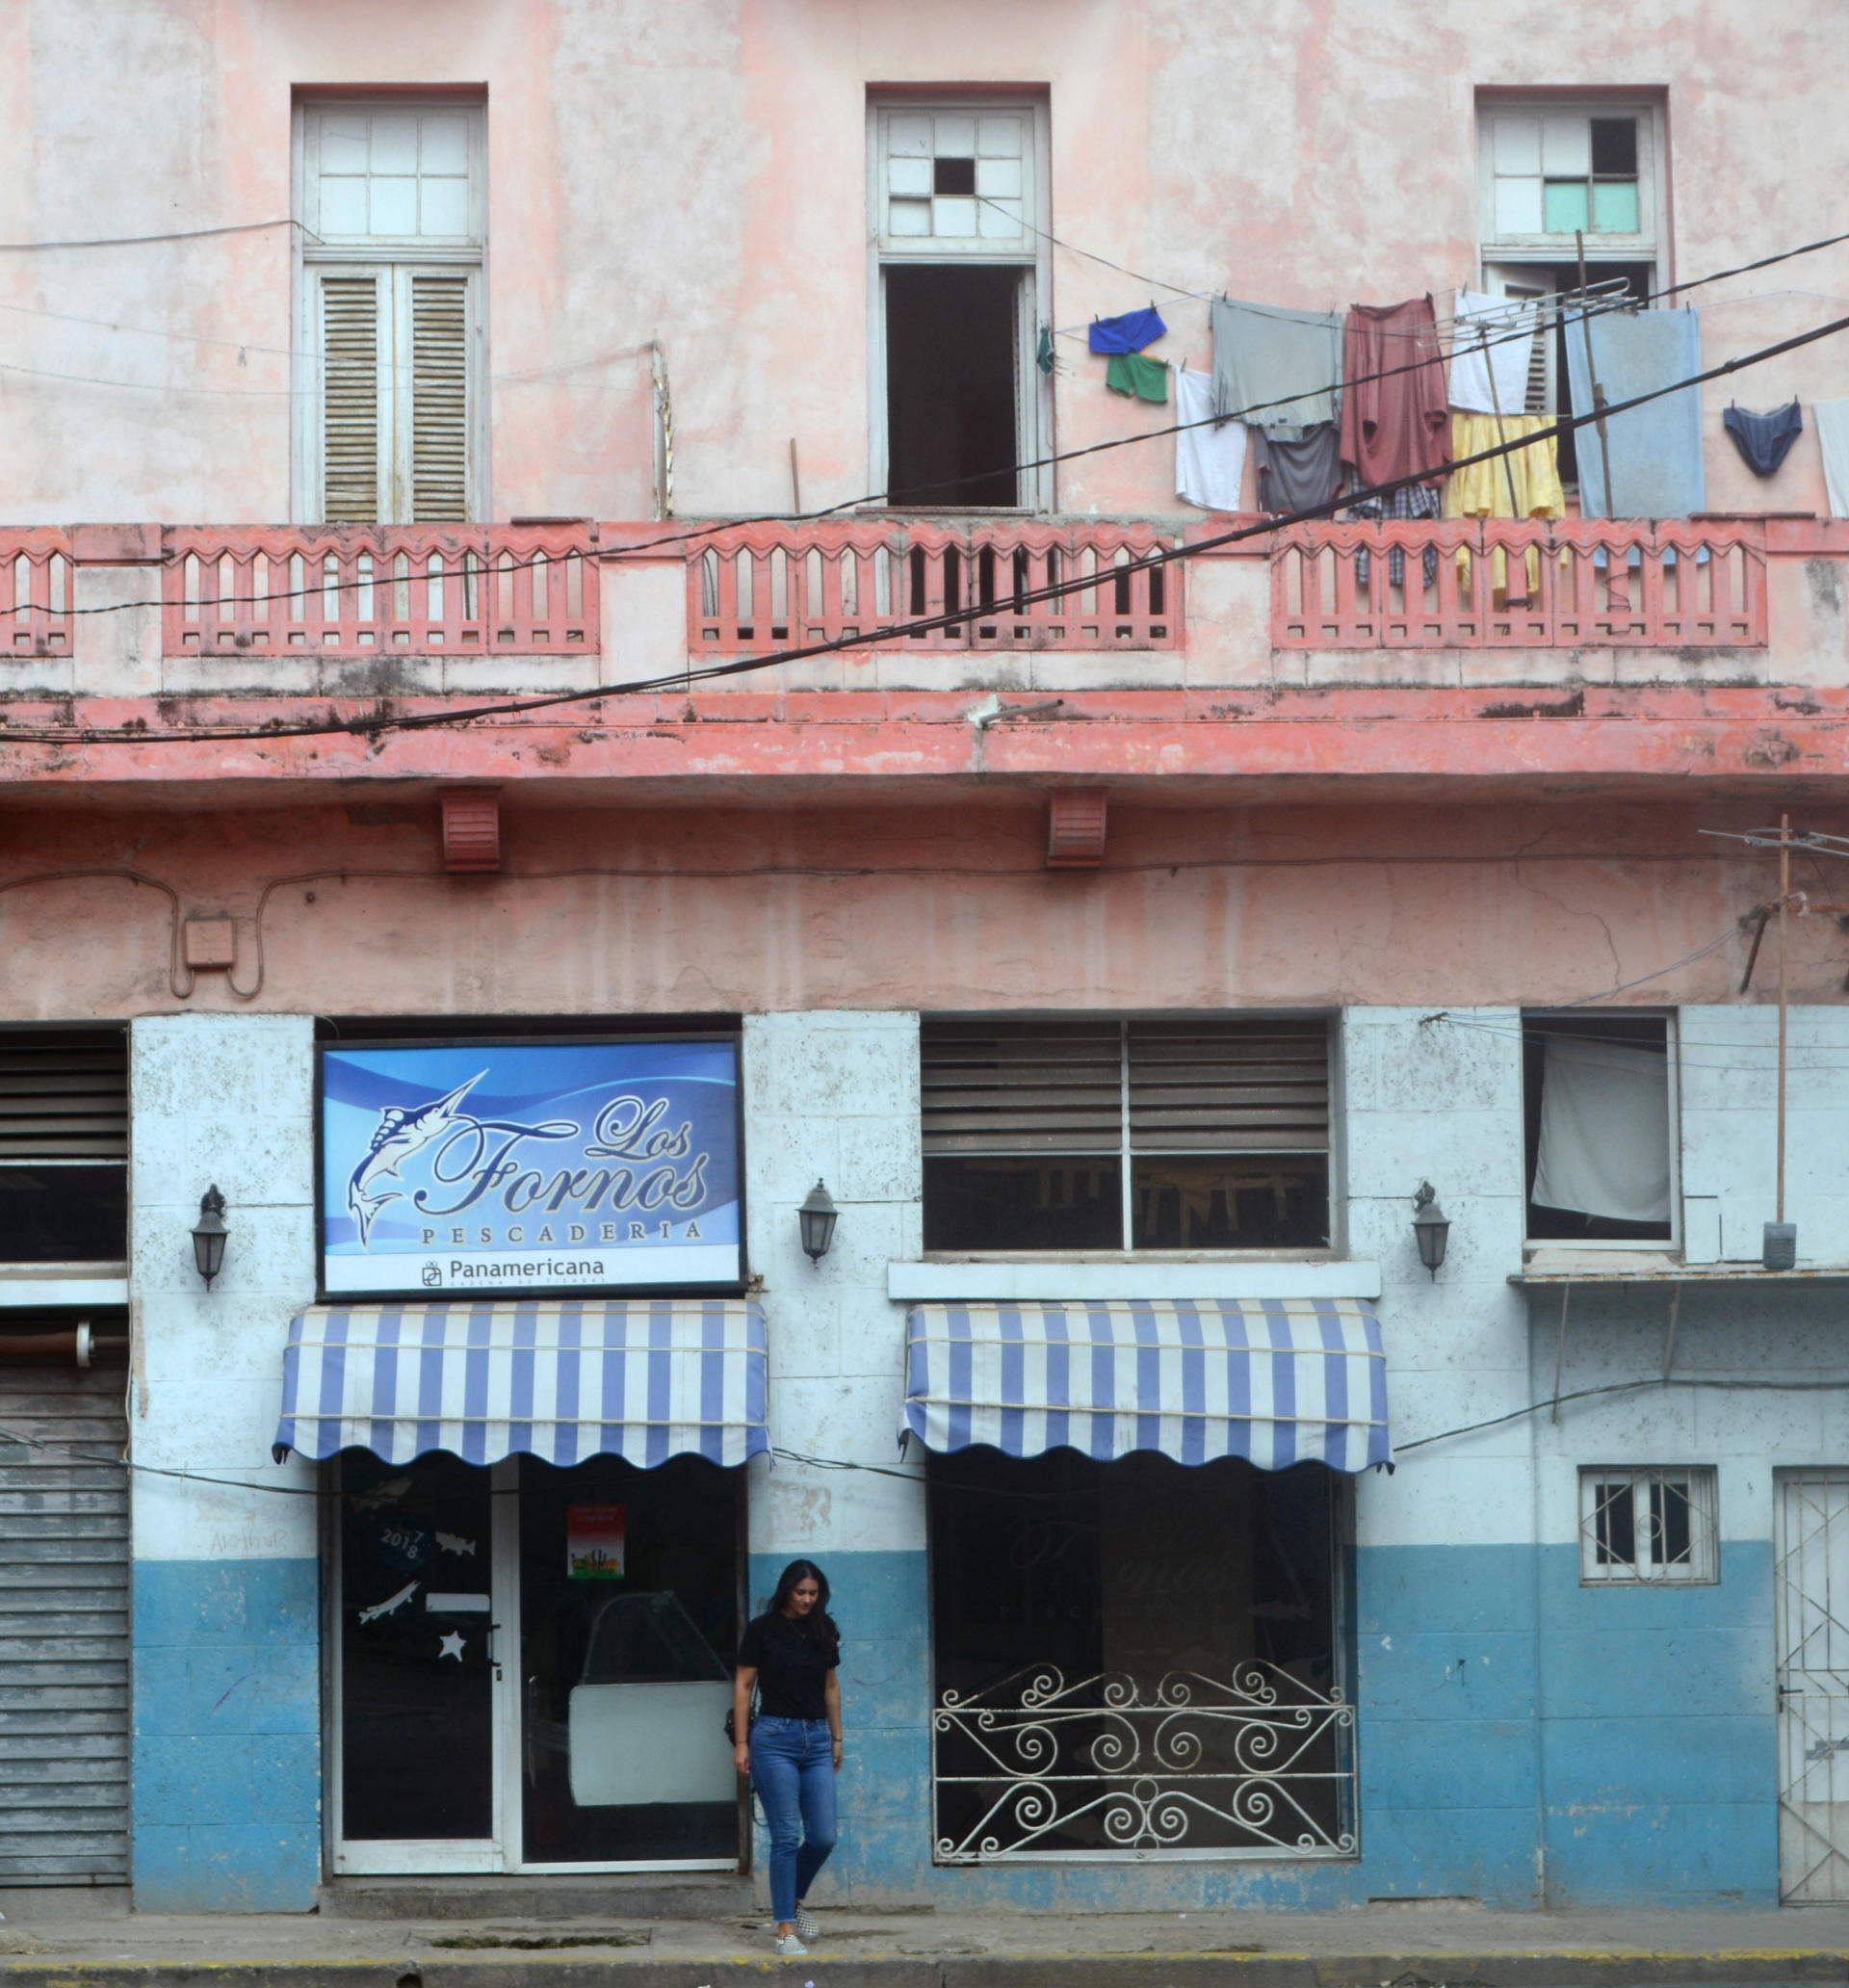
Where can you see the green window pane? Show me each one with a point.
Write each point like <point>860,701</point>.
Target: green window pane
<point>1614,207</point>
<point>1565,206</point>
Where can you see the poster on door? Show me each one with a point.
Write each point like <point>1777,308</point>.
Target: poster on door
<point>594,1542</point>
<point>493,1168</point>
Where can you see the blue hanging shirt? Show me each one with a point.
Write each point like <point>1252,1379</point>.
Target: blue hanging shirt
<point>1129,333</point>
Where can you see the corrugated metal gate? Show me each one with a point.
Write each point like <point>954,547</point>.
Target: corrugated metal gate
<point>63,1627</point>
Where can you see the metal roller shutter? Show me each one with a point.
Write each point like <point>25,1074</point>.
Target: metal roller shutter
<point>63,1627</point>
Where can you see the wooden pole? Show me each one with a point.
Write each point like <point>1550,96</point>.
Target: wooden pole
<point>1785,891</point>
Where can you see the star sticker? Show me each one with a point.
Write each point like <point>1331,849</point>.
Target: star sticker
<point>452,1647</point>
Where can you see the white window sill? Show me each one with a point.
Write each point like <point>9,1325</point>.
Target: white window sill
<point>1041,1281</point>
<point>35,1285</point>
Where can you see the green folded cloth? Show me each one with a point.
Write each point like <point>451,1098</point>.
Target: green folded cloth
<point>1131,372</point>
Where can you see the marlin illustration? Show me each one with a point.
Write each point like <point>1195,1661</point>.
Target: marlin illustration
<point>401,1134</point>
<point>391,1604</point>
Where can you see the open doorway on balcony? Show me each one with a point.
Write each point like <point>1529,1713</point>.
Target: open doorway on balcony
<point>951,339</point>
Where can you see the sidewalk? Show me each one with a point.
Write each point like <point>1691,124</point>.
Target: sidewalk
<point>1439,1942</point>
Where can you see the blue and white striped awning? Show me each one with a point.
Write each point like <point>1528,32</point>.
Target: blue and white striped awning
<point>1277,1381</point>
<point>564,1379</point>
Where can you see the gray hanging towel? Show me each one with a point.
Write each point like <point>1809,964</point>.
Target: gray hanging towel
<point>1656,467</point>
<point>1284,365</point>
<point>1297,471</point>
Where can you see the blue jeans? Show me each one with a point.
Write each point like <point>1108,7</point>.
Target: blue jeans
<point>792,1768</point>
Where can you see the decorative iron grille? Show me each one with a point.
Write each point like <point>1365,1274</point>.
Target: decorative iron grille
<point>1116,1766</point>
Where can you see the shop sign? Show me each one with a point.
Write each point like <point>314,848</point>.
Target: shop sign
<point>478,1169</point>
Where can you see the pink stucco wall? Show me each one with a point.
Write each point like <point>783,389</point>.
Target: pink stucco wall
<point>697,171</point>
<point>741,909</point>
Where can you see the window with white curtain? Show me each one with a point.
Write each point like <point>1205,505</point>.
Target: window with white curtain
<point>1599,1107</point>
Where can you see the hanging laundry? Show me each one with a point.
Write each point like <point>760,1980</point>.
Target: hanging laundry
<point>1525,484</point>
<point>1210,463</point>
<point>1129,333</point>
<point>1299,470</point>
<point>1833,437</point>
<point>1395,422</point>
<point>1043,357</point>
<point>1656,466</point>
<point>1276,368</point>
<point>1130,373</point>
<point>1492,351</point>
<point>1414,501</point>
<point>1764,440</point>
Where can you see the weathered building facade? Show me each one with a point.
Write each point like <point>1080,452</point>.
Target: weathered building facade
<point>1122,916</point>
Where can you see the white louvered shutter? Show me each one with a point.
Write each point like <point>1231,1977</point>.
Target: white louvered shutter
<point>440,413</point>
<point>350,414</point>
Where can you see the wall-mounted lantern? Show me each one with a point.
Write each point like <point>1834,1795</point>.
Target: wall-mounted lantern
<point>208,1236</point>
<point>1431,1230</point>
<point>817,1218</point>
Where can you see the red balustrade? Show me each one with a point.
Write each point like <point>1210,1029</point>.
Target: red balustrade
<point>1510,584</point>
<point>355,591</point>
<point>35,592</point>
<point>755,588</point>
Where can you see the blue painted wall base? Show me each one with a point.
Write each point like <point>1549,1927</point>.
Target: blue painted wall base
<point>227,1736</point>
<point>1523,1740</point>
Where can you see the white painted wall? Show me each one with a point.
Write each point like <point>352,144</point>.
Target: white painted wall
<point>834,1094</point>
<point>1444,1104</point>
<point>224,1099</point>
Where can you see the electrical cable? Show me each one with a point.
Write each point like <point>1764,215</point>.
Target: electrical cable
<point>236,228</point>
<point>379,722</point>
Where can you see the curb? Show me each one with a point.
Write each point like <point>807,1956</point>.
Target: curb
<point>1507,1968</point>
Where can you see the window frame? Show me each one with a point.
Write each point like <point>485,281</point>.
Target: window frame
<point>1126,1152</point>
<point>1034,401</point>
<point>1649,244</point>
<point>1704,1565</point>
<point>402,257</point>
<point>1662,1246</point>
<point>40,1282</point>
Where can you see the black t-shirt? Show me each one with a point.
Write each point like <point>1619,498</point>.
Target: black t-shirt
<point>792,1666</point>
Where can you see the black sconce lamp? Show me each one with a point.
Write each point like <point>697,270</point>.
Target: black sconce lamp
<point>817,1218</point>
<point>208,1236</point>
<point>1431,1230</point>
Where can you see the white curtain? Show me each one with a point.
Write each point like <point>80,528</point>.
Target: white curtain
<point>1604,1132</point>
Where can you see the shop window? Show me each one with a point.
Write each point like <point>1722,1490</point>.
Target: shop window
<point>958,246</point>
<point>63,1146</point>
<point>1599,1099</point>
<point>394,218</point>
<point>1111,1134</point>
<point>1653,1524</point>
<point>1137,1657</point>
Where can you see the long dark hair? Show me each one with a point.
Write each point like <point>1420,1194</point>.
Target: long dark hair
<point>819,1626</point>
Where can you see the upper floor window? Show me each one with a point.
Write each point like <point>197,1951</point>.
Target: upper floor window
<point>1599,1091</point>
<point>63,1146</point>
<point>393,202</point>
<point>1108,1133</point>
<point>1556,182</point>
<point>958,192</point>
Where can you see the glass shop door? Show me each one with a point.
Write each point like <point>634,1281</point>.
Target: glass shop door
<point>420,1677</point>
<point>534,1666</point>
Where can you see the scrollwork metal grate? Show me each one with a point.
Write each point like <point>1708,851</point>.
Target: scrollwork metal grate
<point>1114,1766</point>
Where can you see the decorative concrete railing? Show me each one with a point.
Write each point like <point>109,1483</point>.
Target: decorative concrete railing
<point>1504,584</point>
<point>366,590</point>
<point>754,588</point>
<point>35,592</point>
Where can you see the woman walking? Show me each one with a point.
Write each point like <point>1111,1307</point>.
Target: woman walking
<point>791,1654</point>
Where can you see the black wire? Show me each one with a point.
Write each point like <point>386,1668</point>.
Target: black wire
<point>380,722</point>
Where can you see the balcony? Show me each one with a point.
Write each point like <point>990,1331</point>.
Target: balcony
<point>757,588</point>
<point>1714,648</point>
<point>1513,585</point>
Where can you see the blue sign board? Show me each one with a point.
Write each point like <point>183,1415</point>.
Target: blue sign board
<point>531,1167</point>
